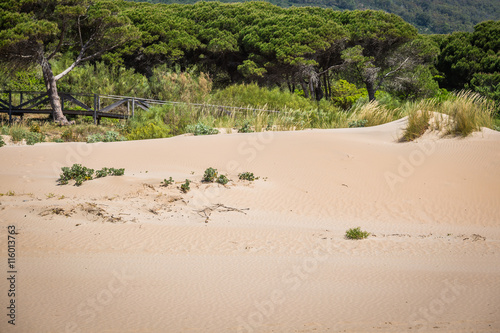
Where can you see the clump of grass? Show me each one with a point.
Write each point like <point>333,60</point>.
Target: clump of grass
<point>356,233</point>
<point>185,187</point>
<point>418,123</point>
<point>2,143</point>
<point>468,111</point>
<point>374,114</point>
<point>247,176</point>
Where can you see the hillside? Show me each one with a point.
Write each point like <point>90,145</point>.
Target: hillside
<point>429,16</point>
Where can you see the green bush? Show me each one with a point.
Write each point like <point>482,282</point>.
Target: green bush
<point>210,175</point>
<point>149,131</point>
<point>2,143</point>
<point>201,129</point>
<point>81,173</point>
<point>246,128</point>
<point>245,95</point>
<point>358,123</point>
<point>166,182</point>
<point>185,187</point>
<point>33,137</point>
<point>109,136</point>
<point>77,172</point>
<point>247,176</point>
<point>159,122</point>
<point>222,180</point>
<point>356,233</point>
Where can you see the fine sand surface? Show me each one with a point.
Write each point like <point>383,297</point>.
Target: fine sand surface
<point>124,254</point>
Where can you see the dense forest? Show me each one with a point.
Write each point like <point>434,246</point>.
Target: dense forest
<point>317,53</point>
<point>429,16</point>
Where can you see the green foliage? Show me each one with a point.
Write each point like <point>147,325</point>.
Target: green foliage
<point>345,94</point>
<point>101,78</point>
<point>356,233</point>
<point>149,131</point>
<point>2,143</point>
<point>158,122</point>
<point>247,176</point>
<point>358,123</point>
<point>166,182</point>
<point>222,180</point>
<point>109,136</point>
<point>187,87</point>
<point>201,129</point>
<point>244,95</point>
<point>210,175</point>
<point>77,172</point>
<point>81,173</point>
<point>33,137</point>
<point>246,128</point>
<point>185,186</point>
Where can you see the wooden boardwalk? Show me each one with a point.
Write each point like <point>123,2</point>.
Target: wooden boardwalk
<point>19,103</point>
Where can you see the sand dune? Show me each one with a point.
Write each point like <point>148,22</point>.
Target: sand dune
<point>124,254</point>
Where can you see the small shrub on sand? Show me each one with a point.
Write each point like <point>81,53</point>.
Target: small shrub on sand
<point>2,143</point>
<point>185,187</point>
<point>210,175</point>
<point>222,180</point>
<point>167,182</point>
<point>81,173</point>
<point>247,176</point>
<point>356,233</point>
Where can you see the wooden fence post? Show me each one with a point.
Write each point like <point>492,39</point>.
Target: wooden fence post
<point>10,106</point>
<point>95,109</point>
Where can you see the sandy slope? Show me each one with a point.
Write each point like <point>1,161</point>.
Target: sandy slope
<point>123,254</point>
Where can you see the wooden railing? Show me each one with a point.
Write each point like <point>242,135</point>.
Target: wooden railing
<point>19,103</point>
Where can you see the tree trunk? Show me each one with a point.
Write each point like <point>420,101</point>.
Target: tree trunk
<point>370,87</point>
<point>50,82</point>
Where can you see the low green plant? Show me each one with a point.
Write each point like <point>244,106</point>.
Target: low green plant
<point>246,128</point>
<point>34,137</point>
<point>166,182</point>
<point>109,136</point>
<point>185,187</point>
<point>210,175</point>
<point>81,173</point>
<point>247,176</point>
<point>2,143</point>
<point>201,129</point>
<point>356,233</point>
<point>222,180</point>
<point>358,123</point>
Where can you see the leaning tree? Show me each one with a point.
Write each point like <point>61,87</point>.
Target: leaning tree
<point>32,32</point>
